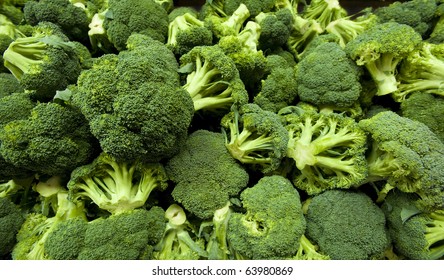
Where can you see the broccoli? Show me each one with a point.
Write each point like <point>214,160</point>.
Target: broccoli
<point>72,19</point>
<point>9,85</point>
<point>255,137</point>
<point>53,140</point>
<point>273,222</point>
<point>111,26</point>
<point>187,31</point>
<point>203,184</point>
<point>328,150</point>
<point>309,251</point>
<point>278,88</point>
<point>182,10</point>
<point>380,50</point>
<point>418,14</point>
<point>11,219</point>
<point>179,240</point>
<point>327,77</point>
<point>12,10</point>
<point>255,7</point>
<point>212,79</point>
<point>226,25</point>
<point>44,63</point>
<point>116,186</point>
<point>134,103</point>
<point>323,11</point>
<point>130,235</point>
<point>347,225</point>
<point>422,70</point>
<point>426,108</point>
<point>275,28</point>
<point>416,235</point>
<point>437,31</point>
<point>8,33</point>
<point>407,155</point>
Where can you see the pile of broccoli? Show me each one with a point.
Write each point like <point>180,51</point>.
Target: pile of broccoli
<point>236,130</point>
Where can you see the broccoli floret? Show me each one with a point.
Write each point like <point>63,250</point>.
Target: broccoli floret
<point>202,184</point>
<point>255,137</point>
<point>422,70</point>
<point>407,155</point>
<point>72,19</point>
<point>180,240</point>
<point>328,150</point>
<point>279,88</point>
<point>380,49</point>
<point>275,28</point>
<point>12,11</point>
<point>182,10</point>
<point>130,235</point>
<point>347,225</point>
<point>212,79</point>
<point>43,64</point>
<point>134,102</point>
<point>53,140</point>
<point>324,11</point>
<point>8,33</point>
<point>302,33</point>
<point>415,234</point>
<point>255,7</point>
<point>187,31</point>
<point>9,85</point>
<point>273,222</point>
<point>11,219</point>
<point>437,31</point>
<point>116,186</point>
<point>226,25</point>
<point>418,14</point>
<point>327,77</point>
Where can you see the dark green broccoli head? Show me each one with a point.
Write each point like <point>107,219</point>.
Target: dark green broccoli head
<point>273,222</point>
<point>11,219</point>
<point>205,174</point>
<point>275,28</point>
<point>347,225</point>
<point>9,84</point>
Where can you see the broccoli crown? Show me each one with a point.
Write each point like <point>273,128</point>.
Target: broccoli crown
<point>224,24</point>
<point>116,186</point>
<point>279,88</point>
<point>275,28</point>
<point>187,31</point>
<point>418,14</point>
<point>212,79</point>
<point>416,235</point>
<point>326,76</point>
<point>328,149</point>
<point>422,70</point>
<point>16,106</point>
<point>9,84</point>
<point>204,184</point>
<point>125,236</point>
<point>12,11</point>
<point>426,108</point>
<point>11,219</point>
<point>71,18</point>
<point>53,140</point>
<point>43,64</point>
<point>380,49</point>
<point>123,18</point>
<point>255,137</point>
<point>324,11</point>
<point>407,154</point>
<point>255,7</point>
<point>347,225</point>
<point>134,102</point>
<point>273,222</point>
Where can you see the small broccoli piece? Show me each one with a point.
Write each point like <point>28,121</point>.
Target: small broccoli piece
<point>418,14</point>
<point>9,85</point>
<point>8,33</point>
<point>347,225</point>
<point>43,64</point>
<point>273,222</point>
<point>179,241</point>
<point>437,32</point>
<point>226,25</point>
<point>275,28</point>
<point>415,234</point>
<point>243,50</point>
<point>255,7</point>
<point>255,137</point>
<point>309,251</point>
<point>187,31</point>
<point>324,11</point>
<point>72,19</point>
<point>182,10</point>
<point>407,155</point>
<point>130,235</point>
<point>53,140</point>
<point>380,50</point>
<point>212,79</point>
<point>422,70</point>
<point>327,77</point>
<point>168,5</point>
<point>116,186</point>
<point>11,219</point>
<point>328,150</point>
<point>12,11</point>
<point>302,33</point>
<point>426,108</point>
<point>203,185</point>
<point>279,88</point>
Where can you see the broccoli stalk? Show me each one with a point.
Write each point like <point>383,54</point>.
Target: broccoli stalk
<point>182,23</point>
<point>116,186</point>
<point>346,29</point>
<point>303,32</point>
<point>324,11</point>
<point>223,25</point>
<point>309,251</point>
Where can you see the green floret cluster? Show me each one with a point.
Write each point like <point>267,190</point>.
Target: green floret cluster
<point>221,130</point>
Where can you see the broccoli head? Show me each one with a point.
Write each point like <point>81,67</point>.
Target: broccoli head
<point>11,219</point>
